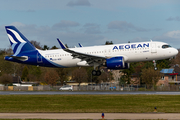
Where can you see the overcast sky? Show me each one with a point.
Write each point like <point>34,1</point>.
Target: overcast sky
<point>92,22</point>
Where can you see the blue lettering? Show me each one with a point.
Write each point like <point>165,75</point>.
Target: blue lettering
<point>139,45</point>
<point>127,46</point>
<point>121,47</point>
<point>146,45</point>
<point>115,47</point>
<point>133,46</point>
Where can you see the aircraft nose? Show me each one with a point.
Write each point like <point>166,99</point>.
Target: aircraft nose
<point>175,51</point>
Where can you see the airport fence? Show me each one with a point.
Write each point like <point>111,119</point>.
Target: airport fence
<point>94,87</point>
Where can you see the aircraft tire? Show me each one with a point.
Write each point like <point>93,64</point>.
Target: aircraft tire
<point>94,72</point>
<point>98,73</point>
<point>155,68</point>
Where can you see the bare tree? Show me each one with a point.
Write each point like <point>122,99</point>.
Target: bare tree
<point>105,77</point>
<point>6,79</point>
<point>62,72</point>
<point>79,75</point>
<point>36,44</point>
<point>51,77</point>
<point>150,77</point>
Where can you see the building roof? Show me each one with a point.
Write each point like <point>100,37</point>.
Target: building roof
<point>166,71</point>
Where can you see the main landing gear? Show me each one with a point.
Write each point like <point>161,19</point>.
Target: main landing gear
<point>96,72</point>
<point>154,62</point>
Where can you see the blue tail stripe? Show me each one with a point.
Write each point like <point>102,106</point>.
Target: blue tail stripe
<point>19,42</point>
<point>22,47</point>
<point>13,45</point>
<point>19,49</point>
<point>13,36</point>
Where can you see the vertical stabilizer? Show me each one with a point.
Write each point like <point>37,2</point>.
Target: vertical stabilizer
<point>19,42</point>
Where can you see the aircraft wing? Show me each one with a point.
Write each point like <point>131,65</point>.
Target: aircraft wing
<point>84,57</point>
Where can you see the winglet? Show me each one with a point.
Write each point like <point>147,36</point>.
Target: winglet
<point>80,45</point>
<point>61,44</point>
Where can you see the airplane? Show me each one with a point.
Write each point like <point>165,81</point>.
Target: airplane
<point>116,56</point>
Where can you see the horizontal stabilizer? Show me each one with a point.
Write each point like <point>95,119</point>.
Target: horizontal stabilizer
<point>22,58</point>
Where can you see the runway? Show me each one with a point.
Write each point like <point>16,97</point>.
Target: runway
<point>86,93</point>
<point>172,116</point>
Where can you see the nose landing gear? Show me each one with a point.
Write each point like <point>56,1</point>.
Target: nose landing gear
<point>154,62</point>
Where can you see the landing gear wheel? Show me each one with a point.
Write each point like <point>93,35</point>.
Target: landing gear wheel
<point>154,62</point>
<point>98,72</point>
<point>155,68</point>
<point>94,72</point>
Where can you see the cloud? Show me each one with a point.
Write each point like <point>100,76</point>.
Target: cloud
<point>91,28</point>
<point>73,3</point>
<point>173,18</point>
<point>124,26</point>
<point>64,24</point>
<point>17,24</point>
<point>173,34</point>
<point>31,11</point>
<point>170,37</point>
<point>47,35</point>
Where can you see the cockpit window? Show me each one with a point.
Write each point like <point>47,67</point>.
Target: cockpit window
<point>166,46</point>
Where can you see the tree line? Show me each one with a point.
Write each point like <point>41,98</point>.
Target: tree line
<point>53,76</point>
<point>46,75</point>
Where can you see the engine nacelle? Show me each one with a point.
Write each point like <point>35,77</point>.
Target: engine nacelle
<point>116,63</point>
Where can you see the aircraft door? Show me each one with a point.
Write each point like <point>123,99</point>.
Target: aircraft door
<point>153,48</point>
<point>39,58</point>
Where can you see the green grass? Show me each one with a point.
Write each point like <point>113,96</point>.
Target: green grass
<point>89,103</point>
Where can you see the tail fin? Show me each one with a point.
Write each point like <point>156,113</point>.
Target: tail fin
<point>19,42</point>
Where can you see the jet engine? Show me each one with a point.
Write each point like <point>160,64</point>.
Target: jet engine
<point>116,63</point>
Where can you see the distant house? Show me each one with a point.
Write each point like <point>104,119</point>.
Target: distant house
<point>135,79</point>
<point>17,82</point>
<point>170,76</point>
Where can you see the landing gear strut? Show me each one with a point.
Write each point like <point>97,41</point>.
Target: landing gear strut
<point>154,62</point>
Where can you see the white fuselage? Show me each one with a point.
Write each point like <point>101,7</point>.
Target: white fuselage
<point>132,52</point>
